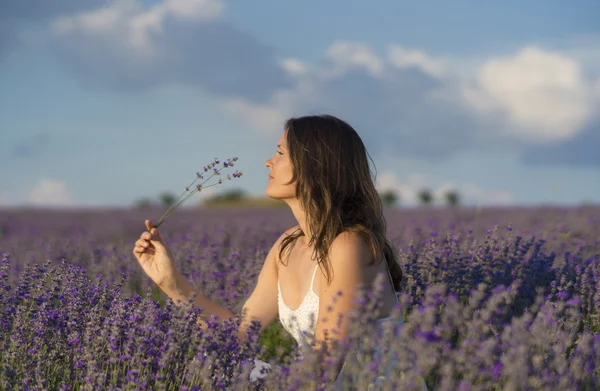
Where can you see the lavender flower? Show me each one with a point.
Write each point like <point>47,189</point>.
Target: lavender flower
<point>186,195</point>
<point>502,310</point>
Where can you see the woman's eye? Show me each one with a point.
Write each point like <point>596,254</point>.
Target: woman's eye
<point>279,153</point>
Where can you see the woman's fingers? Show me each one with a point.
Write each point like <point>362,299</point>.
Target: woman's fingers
<point>149,225</point>
<point>143,249</point>
<point>152,235</point>
<point>147,238</point>
<point>156,235</point>
<point>140,246</point>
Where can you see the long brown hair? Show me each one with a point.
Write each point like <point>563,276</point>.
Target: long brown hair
<point>334,185</point>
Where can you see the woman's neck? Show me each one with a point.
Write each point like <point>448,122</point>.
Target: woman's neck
<point>300,216</point>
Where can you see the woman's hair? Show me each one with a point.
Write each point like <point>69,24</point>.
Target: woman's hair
<point>335,188</point>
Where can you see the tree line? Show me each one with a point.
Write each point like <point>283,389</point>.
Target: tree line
<point>425,196</point>
<point>388,198</point>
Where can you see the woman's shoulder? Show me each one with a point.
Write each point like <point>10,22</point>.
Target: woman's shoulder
<point>351,244</point>
<point>278,243</point>
<point>285,234</point>
<point>349,240</point>
<point>288,232</point>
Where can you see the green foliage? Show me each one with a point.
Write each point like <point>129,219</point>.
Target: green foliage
<point>227,197</point>
<point>426,197</point>
<point>158,295</point>
<point>167,199</point>
<point>277,341</point>
<point>389,197</point>
<point>230,195</point>
<point>238,197</point>
<point>452,198</point>
<point>143,203</point>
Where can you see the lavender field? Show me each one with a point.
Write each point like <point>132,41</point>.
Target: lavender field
<point>497,299</point>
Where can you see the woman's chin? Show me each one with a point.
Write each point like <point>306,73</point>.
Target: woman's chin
<point>273,195</point>
<point>281,195</point>
<point>269,193</point>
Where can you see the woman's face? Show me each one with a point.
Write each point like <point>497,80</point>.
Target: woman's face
<point>280,173</point>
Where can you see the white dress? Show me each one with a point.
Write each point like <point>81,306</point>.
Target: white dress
<point>301,324</point>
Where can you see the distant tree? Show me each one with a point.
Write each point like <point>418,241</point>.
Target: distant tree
<point>227,197</point>
<point>143,203</point>
<point>167,199</point>
<point>426,197</point>
<point>452,198</point>
<point>389,197</point>
<point>232,195</point>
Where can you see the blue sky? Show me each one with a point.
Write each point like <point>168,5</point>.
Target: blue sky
<point>104,102</point>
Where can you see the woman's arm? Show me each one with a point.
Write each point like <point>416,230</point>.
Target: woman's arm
<point>260,306</point>
<point>181,289</point>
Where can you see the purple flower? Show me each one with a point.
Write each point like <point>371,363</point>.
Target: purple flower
<point>497,370</point>
<point>563,295</point>
<point>429,336</point>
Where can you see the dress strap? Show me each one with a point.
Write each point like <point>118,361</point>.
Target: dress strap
<point>313,277</point>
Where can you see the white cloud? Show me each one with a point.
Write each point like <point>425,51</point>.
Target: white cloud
<point>432,107</point>
<point>390,103</point>
<point>294,67</point>
<point>195,9</point>
<point>135,23</point>
<point>405,58</point>
<point>100,19</point>
<point>422,104</point>
<point>49,193</point>
<point>349,55</point>
<point>544,94</point>
<point>471,194</point>
<point>266,119</point>
<point>136,45</point>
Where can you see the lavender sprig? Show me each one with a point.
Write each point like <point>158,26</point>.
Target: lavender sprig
<point>211,167</point>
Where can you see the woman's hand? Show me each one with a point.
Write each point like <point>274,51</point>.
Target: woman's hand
<point>155,258</point>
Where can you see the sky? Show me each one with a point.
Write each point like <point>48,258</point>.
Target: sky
<point>106,102</point>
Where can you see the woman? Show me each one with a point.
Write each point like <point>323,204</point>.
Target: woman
<point>321,171</point>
